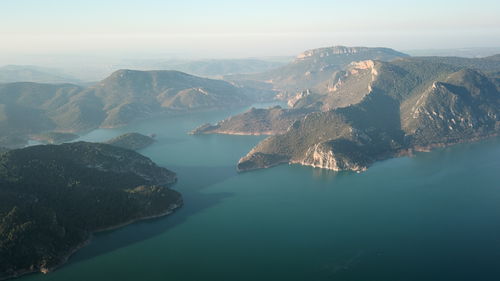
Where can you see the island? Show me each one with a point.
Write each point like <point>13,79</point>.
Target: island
<point>132,141</point>
<point>54,197</point>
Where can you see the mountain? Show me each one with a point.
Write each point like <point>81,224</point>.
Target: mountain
<point>28,109</point>
<point>381,109</point>
<point>312,68</point>
<point>29,73</point>
<point>127,95</point>
<point>132,141</point>
<point>53,197</point>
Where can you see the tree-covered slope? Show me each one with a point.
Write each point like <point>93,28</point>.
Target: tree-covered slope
<point>132,141</point>
<point>32,108</point>
<point>209,67</point>
<point>406,104</point>
<point>53,197</point>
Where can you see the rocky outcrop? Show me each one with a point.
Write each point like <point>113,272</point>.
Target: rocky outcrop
<point>256,121</point>
<point>322,156</point>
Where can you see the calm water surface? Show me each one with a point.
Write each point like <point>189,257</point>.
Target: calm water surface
<point>435,216</point>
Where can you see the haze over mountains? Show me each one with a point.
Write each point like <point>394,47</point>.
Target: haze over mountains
<point>209,67</point>
<point>32,108</point>
<point>29,73</point>
<point>353,106</point>
<point>87,71</point>
<point>311,68</point>
<point>53,197</point>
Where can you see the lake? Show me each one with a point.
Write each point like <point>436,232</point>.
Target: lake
<point>434,216</point>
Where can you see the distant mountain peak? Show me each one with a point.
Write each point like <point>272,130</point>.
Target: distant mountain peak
<point>342,50</point>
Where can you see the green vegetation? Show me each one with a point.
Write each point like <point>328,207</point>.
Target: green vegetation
<point>256,121</point>
<point>407,104</point>
<point>312,68</point>
<point>31,108</point>
<point>132,141</point>
<point>53,197</point>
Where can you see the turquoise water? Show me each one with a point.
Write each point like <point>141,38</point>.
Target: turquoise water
<point>435,216</point>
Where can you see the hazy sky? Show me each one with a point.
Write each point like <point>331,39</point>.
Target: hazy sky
<point>223,28</point>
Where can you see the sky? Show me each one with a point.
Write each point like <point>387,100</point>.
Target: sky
<point>223,28</point>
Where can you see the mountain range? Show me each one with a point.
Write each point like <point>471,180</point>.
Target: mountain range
<point>28,109</point>
<point>312,68</point>
<point>209,67</point>
<point>348,106</point>
<point>375,110</point>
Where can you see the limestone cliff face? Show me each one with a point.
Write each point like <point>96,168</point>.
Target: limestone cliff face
<point>294,99</point>
<point>322,156</point>
<point>325,52</point>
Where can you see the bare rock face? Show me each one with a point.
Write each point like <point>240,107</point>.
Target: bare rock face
<point>322,156</point>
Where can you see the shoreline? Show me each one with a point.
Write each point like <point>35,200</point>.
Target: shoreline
<point>238,133</point>
<point>406,152</point>
<point>64,259</point>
